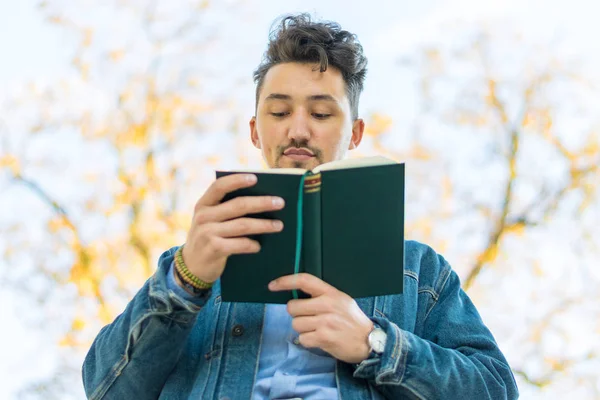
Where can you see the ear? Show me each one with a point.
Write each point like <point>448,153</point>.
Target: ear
<point>358,128</point>
<point>254,133</point>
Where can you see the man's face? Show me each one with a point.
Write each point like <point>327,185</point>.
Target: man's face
<point>303,117</point>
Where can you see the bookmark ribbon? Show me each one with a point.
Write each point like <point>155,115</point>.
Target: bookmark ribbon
<point>299,231</point>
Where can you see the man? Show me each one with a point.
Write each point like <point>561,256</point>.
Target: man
<point>178,340</point>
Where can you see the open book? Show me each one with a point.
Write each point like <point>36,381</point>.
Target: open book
<point>343,222</point>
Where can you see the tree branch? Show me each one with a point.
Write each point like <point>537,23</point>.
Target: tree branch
<point>494,240</point>
<point>540,383</point>
<point>81,253</point>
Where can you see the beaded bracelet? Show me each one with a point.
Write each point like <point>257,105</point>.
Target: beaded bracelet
<point>186,276</point>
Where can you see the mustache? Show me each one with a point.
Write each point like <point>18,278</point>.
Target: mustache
<point>300,144</point>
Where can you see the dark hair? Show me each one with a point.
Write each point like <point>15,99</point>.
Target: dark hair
<point>298,39</point>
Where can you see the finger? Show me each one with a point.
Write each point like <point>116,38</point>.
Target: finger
<point>312,306</point>
<point>310,339</point>
<point>308,283</point>
<point>247,226</point>
<point>238,207</point>
<point>223,185</point>
<point>305,324</point>
<point>228,246</point>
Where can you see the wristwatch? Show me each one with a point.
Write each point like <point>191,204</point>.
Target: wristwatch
<point>377,339</point>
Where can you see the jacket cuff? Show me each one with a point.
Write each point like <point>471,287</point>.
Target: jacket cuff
<point>390,366</point>
<point>166,299</point>
<point>181,292</point>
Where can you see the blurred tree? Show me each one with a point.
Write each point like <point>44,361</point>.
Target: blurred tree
<point>504,177</point>
<point>103,167</point>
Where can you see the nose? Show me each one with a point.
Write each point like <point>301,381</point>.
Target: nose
<point>299,128</point>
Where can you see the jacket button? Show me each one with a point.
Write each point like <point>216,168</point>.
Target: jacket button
<point>237,330</point>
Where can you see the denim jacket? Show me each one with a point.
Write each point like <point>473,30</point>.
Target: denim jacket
<point>165,347</point>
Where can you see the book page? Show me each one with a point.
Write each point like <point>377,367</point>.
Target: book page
<point>332,165</point>
<point>283,171</point>
<point>354,163</point>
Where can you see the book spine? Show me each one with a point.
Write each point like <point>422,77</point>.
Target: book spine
<point>312,248</point>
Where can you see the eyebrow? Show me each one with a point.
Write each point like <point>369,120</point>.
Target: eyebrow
<point>314,97</point>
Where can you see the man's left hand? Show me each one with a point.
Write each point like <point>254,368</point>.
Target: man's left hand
<point>330,320</point>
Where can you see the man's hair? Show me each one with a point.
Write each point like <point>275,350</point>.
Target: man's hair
<point>298,39</point>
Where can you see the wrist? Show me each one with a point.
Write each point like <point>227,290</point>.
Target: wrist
<point>180,283</point>
<point>186,279</point>
<point>183,257</point>
<point>363,348</point>
<point>365,353</point>
<point>376,342</point>
<point>186,276</point>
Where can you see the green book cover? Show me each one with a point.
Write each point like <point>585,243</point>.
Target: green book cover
<point>352,230</point>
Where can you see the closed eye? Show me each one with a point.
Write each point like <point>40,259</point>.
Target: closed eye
<point>279,115</point>
<point>321,116</point>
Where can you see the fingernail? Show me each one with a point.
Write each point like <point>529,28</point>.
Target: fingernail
<point>250,178</point>
<point>277,224</point>
<point>272,285</point>
<point>278,202</point>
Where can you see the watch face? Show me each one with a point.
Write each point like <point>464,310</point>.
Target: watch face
<point>377,340</point>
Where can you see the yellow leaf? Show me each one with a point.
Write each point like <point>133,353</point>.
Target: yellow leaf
<point>83,67</point>
<point>88,34</point>
<point>447,188</point>
<point>536,335</point>
<point>420,153</point>
<point>90,177</point>
<point>242,159</point>
<point>213,160</point>
<point>135,134</point>
<point>55,19</point>
<point>554,363</point>
<point>67,341</point>
<point>139,134</point>
<point>11,162</point>
<point>85,70</point>
<point>78,324</point>
<point>91,205</point>
<point>105,315</point>
<point>537,269</point>
<point>116,55</point>
<point>592,147</point>
<point>491,96</point>
<point>80,276</point>
<point>37,128</point>
<point>180,219</point>
<point>529,120</point>
<point>378,125</point>
<point>517,228</point>
<point>490,254</point>
<point>56,224</point>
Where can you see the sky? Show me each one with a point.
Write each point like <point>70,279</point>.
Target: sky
<point>32,49</point>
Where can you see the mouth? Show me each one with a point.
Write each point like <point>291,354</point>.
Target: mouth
<point>298,154</point>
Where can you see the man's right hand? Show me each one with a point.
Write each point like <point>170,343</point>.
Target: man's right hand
<point>219,229</point>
